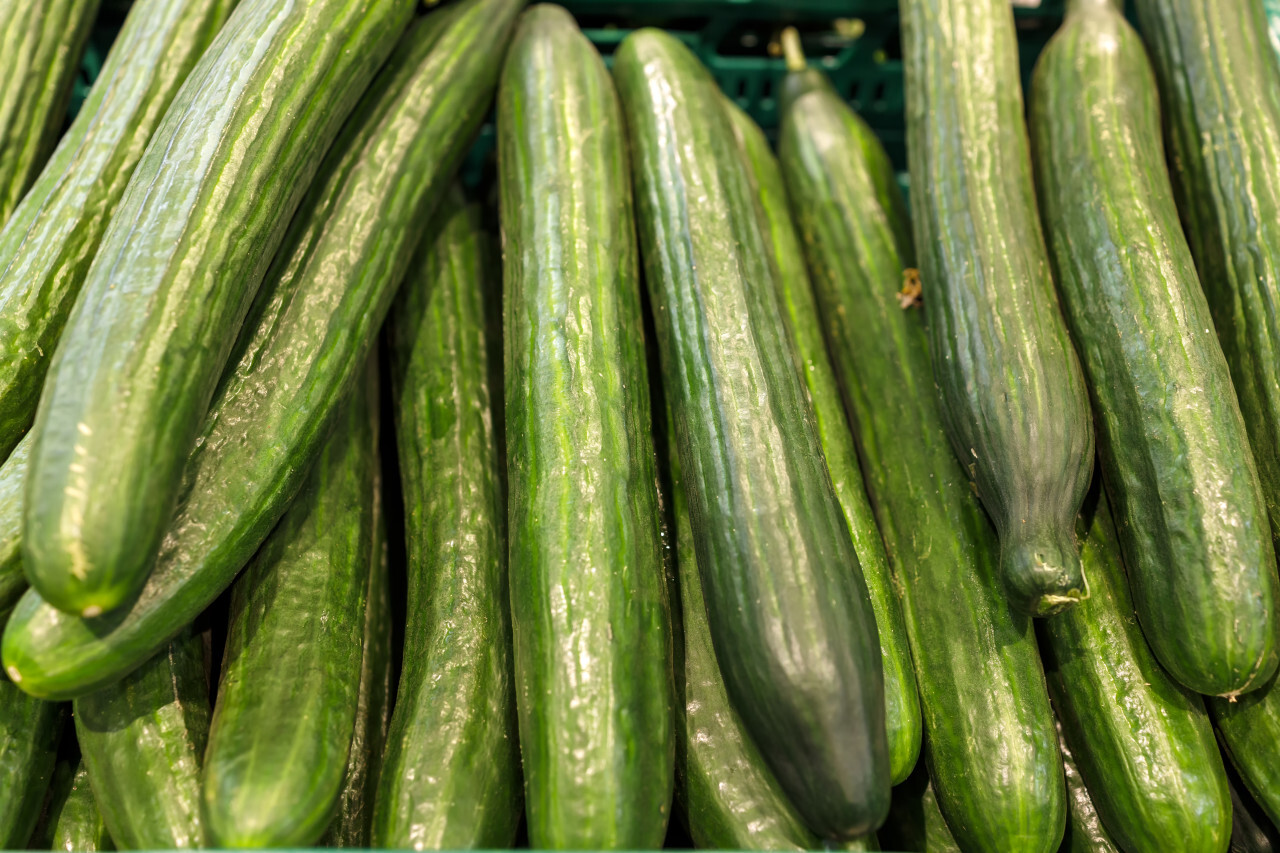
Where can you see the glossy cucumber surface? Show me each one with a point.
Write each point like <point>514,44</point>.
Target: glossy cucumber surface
<point>79,827</point>
<point>29,733</point>
<point>1085,832</point>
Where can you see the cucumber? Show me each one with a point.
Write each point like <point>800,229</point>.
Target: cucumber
<point>790,616</point>
<point>48,244</point>
<point>902,704</point>
<point>982,689</point>
<point>1085,832</point>
<point>143,740</point>
<point>55,797</point>
<point>1143,742</point>
<point>300,352</point>
<point>287,700</point>
<point>1272,8</point>
<point>455,712</point>
<point>29,732</point>
<point>1250,731</point>
<point>915,822</point>
<point>12,474</point>
<point>589,606</point>
<point>1188,502</point>
<point>172,280</point>
<point>40,46</point>
<point>1251,829</point>
<point>1013,396</point>
<point>79,827</point>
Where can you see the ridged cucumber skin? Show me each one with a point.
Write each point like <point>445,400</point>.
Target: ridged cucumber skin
<point>902,702</point>
<point>79,827</point>
<point>1176,458</point>
<point>1085,832</point>
<point>173,278</point>
<point>29,733</point>
<point>286,711</point>
<point>143,742</point>
<point>41,42</point>
<point>12,579</point>
<point>982,689</point>
<point>1250,731</point>
<point>48,244</point>
<point>790,616</point>
<point>300,353</point>
<point>455,710</point>
<point>1142,742</point>
<point>1220,95</point>
<point>1013,395</point>
<point>590,612</point>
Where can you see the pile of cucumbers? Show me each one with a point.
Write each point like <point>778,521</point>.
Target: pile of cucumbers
<point>679,487</point>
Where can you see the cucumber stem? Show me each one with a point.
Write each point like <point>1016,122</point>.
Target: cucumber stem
<point>792,51</point>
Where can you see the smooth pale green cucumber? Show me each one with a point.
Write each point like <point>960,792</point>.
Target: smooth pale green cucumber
<point>172,280</point>
<point>589,606</point>
<point>29,733</point>
<point>1014,401</point>
<point>1250,730</point>
<point>41,42</point>
<point>79,827</point>
<point>1085,832</point>
<point>48,244</point>
<point>1188,503</point>
<point>455,710</point>
<point>790,616</point>
<point>301,351</point>
<point>982,689</point>
<point>13,582</point>
<point>902,703</point>
<point>143,741</point>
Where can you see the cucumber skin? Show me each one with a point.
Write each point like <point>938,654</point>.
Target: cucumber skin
<point>975,658</point>
<point>79,827</point>
<point>171,283</point>
<point>595,732</point>
<point>48,244</point>
<point>300,352</point>
<point>12,579</point>
<point>792,624</point>
<point>143,742</point>
<point>1085,832</point>
<point>43,41</point>
<point>29,734</point>
<point>902,702</point>
<point>1250,730</point>
<point>915,821</point>
<point>1013,395</point>
<point>1176,456</point>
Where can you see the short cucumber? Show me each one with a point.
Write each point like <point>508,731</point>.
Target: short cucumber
<point>12,580</point>
<point>455,709</point>
<point>79,827</point>
<point>29,733</point>
<point>142,741</point>
<point>301,350</point>
<point>1085,832</point>
<point>589,606</point>
<point>790,616</point>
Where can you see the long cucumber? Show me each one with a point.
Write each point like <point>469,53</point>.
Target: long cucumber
<point>1085,832</point>
<point>29,733</point>
<point>13,582</point>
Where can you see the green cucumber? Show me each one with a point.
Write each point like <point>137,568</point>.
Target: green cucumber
<point>1251,829</point>
<point>55,797</point>
<point>1250,730</point>
<point>1188,502</point>
<point>48,244</point>
<point>41,42</point>
<point>12,579</point>
<point>29,732</point>
<point>790,616</point>
<point>1085,832</point>
<point>455,710</point>
<point>301,350</point>
<point>982,689</point>
<point>902,703</point>
<point>79,827</point>
<point>1013,396</point>
<point>1272,8</point>
<point>915,822</point>
<point>286,713</point>
<point>143,740</point>
<point>589,605</point>
<point>173,278</point>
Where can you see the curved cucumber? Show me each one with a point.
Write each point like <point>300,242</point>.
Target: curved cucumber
<point>172,280</point>
<point>589,606</point>
<point>142,740</point>
<point>47,246</point>
<point>29,732</point>
<point>902,703</point>
<point>1190,510</point>
<point>793,627</point>
<point>301,351</point>
<point>1085,832</point>
<point>1013,397</point>
<point>982,690</point>
<point>79,827</point>
<point>12,474</point>
<point>455,709</point>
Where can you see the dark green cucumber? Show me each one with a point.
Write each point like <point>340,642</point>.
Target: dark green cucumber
<point>301,351</point>
<point>79,827</point>
<point>41,42</point>
<point>1085,832</point>
<point>982,690</point>
<point>1250,730</point>
<point>1251,829</point>
<point>902,703</point>
<point>48,244</point>
<point>29,732</point>
<point>12,580</point>
<point>1191,514</point>
<point>455,710</point>
<point>143,740</point>
<point>1143,742</point>
<point>589,605</point>
<point>55,797</point>
<point>915,822</point>
<point>790,615</point>
<point>1013,396</point>
<point>290,687</point>
<point>173,278</point>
